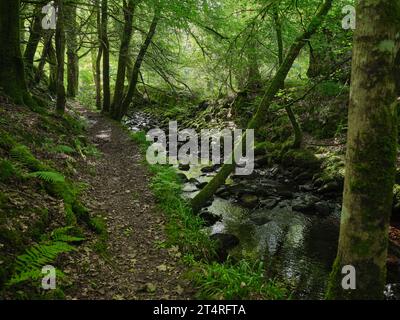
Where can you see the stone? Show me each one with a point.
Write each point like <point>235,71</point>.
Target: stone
<point>184,167</point>
<point>322,208</point>
<point>249,200</point>
<point>332,186</point>
<point>224,243</point>
<point>209,218</point>
<point>182,177</point>
<point>269,203</point>
<point>207,169</point>
<point>304,204</point>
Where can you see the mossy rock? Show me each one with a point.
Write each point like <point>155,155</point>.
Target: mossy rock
<point>301,158</point>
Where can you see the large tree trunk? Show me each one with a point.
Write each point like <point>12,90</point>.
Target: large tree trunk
<point>123,58</point>
<point>72,50</point>
<point>259,118</point>
<point>34,38</point>
<point>106,56</point>
<point>123,107</point>
<point>12,74</point>
<point>371,153</point>
<point>60,53</point>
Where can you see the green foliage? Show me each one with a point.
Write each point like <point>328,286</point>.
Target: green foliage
<point>29,265</point>
<point>242,280</point>
<point>330,88</point>
<point>6,141</point>
<point>7,170</point>
<point>48,176</point>
<point>63,149</point>
<point>65,234</point>
<point>22,154</point>
<point>98,225</point>
<point>184,228</point>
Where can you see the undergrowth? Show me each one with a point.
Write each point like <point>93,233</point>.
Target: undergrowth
<point>213,280</point>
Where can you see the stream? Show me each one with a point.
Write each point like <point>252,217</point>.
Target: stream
<point>277,215</point>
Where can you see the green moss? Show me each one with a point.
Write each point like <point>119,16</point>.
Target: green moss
<point>301,158</point>
<point>7,169</point>
<point>98,225</point>
<point>22,154</point>
<point>6,141</point>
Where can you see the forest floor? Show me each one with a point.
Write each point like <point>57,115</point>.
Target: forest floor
<point>133,264</point>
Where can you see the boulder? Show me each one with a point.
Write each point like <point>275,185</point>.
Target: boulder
<point>209,218</point>
<point>249,200</point>
<point>224,243</point>
<point>184,167</point>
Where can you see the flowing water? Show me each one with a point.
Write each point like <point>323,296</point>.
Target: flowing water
<point>293,229</point>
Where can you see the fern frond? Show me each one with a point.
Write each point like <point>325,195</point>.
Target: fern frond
<point>48,176</point>
<point>62,149</point>
<point>61,234</point>
<point>29,265</point>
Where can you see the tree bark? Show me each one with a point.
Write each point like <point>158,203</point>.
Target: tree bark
<point>45,53</point>
<point>128,8</point>
<point>52,58</point>
<point>72,50</point>
<point>371,153</point>
<point>259,118</point>
<point>34,38</point>
<point>60,53</point>
<point>106,56</point>
<point>96,59</point>
<point>123,107</point>
<point>12,74</point>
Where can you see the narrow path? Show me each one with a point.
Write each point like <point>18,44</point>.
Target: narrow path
<point>136,267</point>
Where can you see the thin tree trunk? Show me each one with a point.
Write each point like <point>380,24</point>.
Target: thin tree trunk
<point>60,53</point>
<point>298,134</point>
<point>371,154</point>
<point>12,74</point>
<point>259,118</point>
<point>52,58</point>
<point>34,38</point>
<point>106,56</point>
<point>97,62</point>
<point>128,9</point>
<point>45,52</point>
<point>123,107</point>
<point>72,50</point>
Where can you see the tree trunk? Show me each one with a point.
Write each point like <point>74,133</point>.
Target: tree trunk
<point>298,134</point>
<point>52,57</point>
<point>397,73</point>
<point>12,74</point>
<point>60,53</point>
<point>123,58</point>
<point>106,56</point>
<point>371,153</point>
<point>97,59</point>
<point>45,53</point>
<point>72,50</point>
<point>123,107</point>
<point>34,38</point>
<point>259,118</point>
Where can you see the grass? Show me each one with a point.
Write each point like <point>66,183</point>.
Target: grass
<point>213,280</point>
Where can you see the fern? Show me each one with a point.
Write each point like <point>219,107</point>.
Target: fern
<point>29,265</point>
<point>61,234</point>
<point>47,176</point>
<point>24,155</point>
<point>62,149</point>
